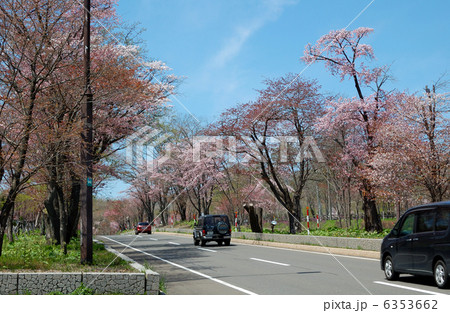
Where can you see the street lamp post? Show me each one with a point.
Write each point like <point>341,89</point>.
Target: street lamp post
<point>86,147</point>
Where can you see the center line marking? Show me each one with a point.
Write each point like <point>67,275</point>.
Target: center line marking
<point>277,263</point>
<point>204,249</point>
<point>409,288</point>
<point>175,243</point>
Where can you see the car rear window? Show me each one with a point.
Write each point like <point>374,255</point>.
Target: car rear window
<point>143,224</point>
<point>213,220</point>
<point>442,219</point>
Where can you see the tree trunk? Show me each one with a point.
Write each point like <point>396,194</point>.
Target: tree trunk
<point>62,218</point>
<point>53,214</point>
<point>7,207</point>
<point>372,221</point>
<point>255,217</point>
<point>10,227</point>
<point>292,224</point>
<point>73,214</point>
<point>181,206</point>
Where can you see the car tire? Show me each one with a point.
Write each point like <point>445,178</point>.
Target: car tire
<point>203,243</point>
<point>196,242</point>
<point>389,271</point>
<point>220,242</point>
<point>222,228</point>
<point>227,242</point>
<point>440,274</point>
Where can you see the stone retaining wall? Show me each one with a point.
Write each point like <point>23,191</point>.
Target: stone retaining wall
<point>100,283</point>
<point>336,242</point>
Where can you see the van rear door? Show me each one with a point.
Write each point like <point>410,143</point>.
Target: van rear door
<point>423,241</point>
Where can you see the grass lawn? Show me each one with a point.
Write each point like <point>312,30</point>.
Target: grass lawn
<point>31,253</point>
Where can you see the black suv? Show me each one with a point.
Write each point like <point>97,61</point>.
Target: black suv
<point>419,244</point>
<point>212,228</point>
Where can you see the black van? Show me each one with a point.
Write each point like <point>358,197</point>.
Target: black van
<point>419,244</point>
<point>212,228</point>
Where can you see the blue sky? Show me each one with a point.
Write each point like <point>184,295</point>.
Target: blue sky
<point>225,49</point>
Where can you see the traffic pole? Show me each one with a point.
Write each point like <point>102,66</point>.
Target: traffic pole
<point>317,217</point>
<point>235,221</point>
<point>86,215</point>
<point>307,218</point>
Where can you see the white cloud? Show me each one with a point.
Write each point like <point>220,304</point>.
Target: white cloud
<point>271,11</point>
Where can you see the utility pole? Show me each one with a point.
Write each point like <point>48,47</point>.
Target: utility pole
<point>86,147</point>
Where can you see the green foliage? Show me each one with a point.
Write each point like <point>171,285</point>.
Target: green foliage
<point>327,228</point>
<point>185,224</point>
<point>162,284</point>
<point>31,251</point>
<point>346,232</point>
<point>82,290</point>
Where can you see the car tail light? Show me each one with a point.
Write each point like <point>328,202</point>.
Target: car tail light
<point>203,232</point>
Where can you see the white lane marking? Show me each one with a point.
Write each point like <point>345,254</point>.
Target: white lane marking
<point>312,252</point>
<point>154,239</point>
<point>409,288</point>
<point>277,263</point>
<point>204,249</point>
<point>174,243</point>
<point>186,269</point>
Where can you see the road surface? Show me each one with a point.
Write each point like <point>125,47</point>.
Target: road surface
<point>250,269</point>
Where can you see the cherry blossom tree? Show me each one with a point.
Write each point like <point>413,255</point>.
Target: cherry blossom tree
<point>36,39</point>
<point>415,150</point>
<point>42,54</point>
<point>360,117</point>
<point>274,134</point>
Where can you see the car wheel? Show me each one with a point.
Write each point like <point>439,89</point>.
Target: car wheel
<point>203,242</point>
<point>227,242</point>
<point>220,242</point>
<point>440,274</point>
<point>222,228</point>
<point>136,232</point>
<point>196,242</point>
<point>389,271</point>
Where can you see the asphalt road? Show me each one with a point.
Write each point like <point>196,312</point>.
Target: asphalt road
<point>248,269</point>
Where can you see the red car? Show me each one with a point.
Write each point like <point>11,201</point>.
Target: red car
<point>143,227</point>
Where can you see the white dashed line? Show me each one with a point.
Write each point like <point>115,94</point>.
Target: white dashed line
<point>174,243</point>
<point>271,262</point>
<point>204,249</point>
<point>409,288</point>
